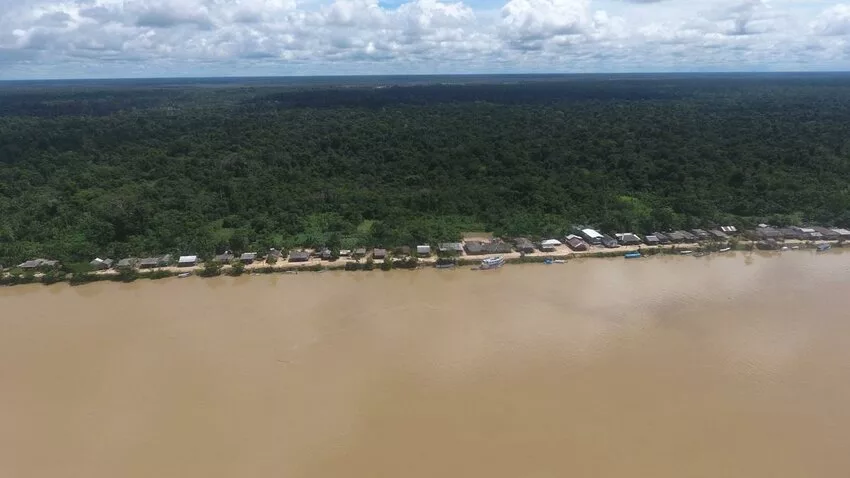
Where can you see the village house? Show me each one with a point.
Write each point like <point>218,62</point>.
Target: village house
<point>99,264</point>
<point>524,245</point>
<point>576,243</point>
<point>451,248</point>
<point>806,233</point>
<point>359,253</point>
<point>662,238</point>
<point>768,232</point>
<point>609,242</point>
<point>549,245</point>
<point>299,256</point>
<point>477,248</point>
<point>248,257</point>
<point>701,234</point>
<point>326,254</point>
<point>651,240</point>
<point>127,263</point>
<point>718,234</point>
<point>827,234</point>
<point>38,264</point>
<point>628,239</point>
<point>591,236</point>
<point>423,250</point>
<point>379,254</point>
<point>689,237</point>
<point>187,261</point>
<point>344,252</point>
<point>843,233</point>
<point>675,237</point>
<point>151,262</point>
<point>729,229</point>
<point>791,233</point>
<point>225,258</point>
<point>274,255</point>
<point>402,251</point>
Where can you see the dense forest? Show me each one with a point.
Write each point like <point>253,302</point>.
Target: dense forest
<point>143,169</point>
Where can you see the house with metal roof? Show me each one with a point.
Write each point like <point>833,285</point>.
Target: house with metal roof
<point>592,236</point>
<point>187,261</point>
<point>627,239</point>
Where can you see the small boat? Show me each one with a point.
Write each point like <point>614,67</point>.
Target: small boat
<point>686,252</point>
<point>445,265</point>
<point>824,247</point>
<point>560,261</point>
<point>184,275</point>
<point>725,249</point>
<point>784,248</point>
<point>492,263</point>
<point>632,255</point>
<point>548,261</point>
<point>795,248</point>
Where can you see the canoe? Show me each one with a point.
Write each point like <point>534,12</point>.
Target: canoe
<point>686,252</point>
<point>725,249</point>
<point>632,255</point>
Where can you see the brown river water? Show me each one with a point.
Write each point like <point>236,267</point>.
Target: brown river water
<point>726,366</point>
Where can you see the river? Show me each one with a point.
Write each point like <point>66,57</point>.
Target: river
<point>727,366</point>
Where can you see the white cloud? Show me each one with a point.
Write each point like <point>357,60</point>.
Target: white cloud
<point>188,37</point>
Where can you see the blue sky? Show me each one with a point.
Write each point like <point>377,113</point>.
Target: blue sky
<point>156,38</point>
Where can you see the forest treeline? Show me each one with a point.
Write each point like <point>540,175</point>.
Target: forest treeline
<point>144,170</point>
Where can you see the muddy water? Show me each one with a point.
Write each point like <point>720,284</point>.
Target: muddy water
<point>732,366</point>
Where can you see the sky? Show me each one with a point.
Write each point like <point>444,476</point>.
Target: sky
<point>41,39</point>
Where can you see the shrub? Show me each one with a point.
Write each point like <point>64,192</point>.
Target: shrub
<point>236,269</point>
<point>211,269</point>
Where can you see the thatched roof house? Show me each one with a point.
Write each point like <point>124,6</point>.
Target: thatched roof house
<point>99,264</point>
<point>225,258</point>
<point>38,264</point>
<point>127,263</point>
<point>451,248</point>
<point>477,248</point>
<point>524,245</point>
<point>299,256</point>
<point>676,237</point>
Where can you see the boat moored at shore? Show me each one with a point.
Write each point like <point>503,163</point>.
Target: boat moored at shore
<point>492,262</point>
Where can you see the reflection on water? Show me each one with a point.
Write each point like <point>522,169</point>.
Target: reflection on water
<point>730,365</point>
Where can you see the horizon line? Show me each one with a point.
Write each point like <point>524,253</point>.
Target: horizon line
<point>427,75</point>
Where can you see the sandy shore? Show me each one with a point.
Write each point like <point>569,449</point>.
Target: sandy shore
<point>560,252</point>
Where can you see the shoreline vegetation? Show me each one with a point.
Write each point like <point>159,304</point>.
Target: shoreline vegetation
<point>212,269</point>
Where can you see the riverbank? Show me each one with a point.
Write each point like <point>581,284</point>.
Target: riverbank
<point>314,264</point>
